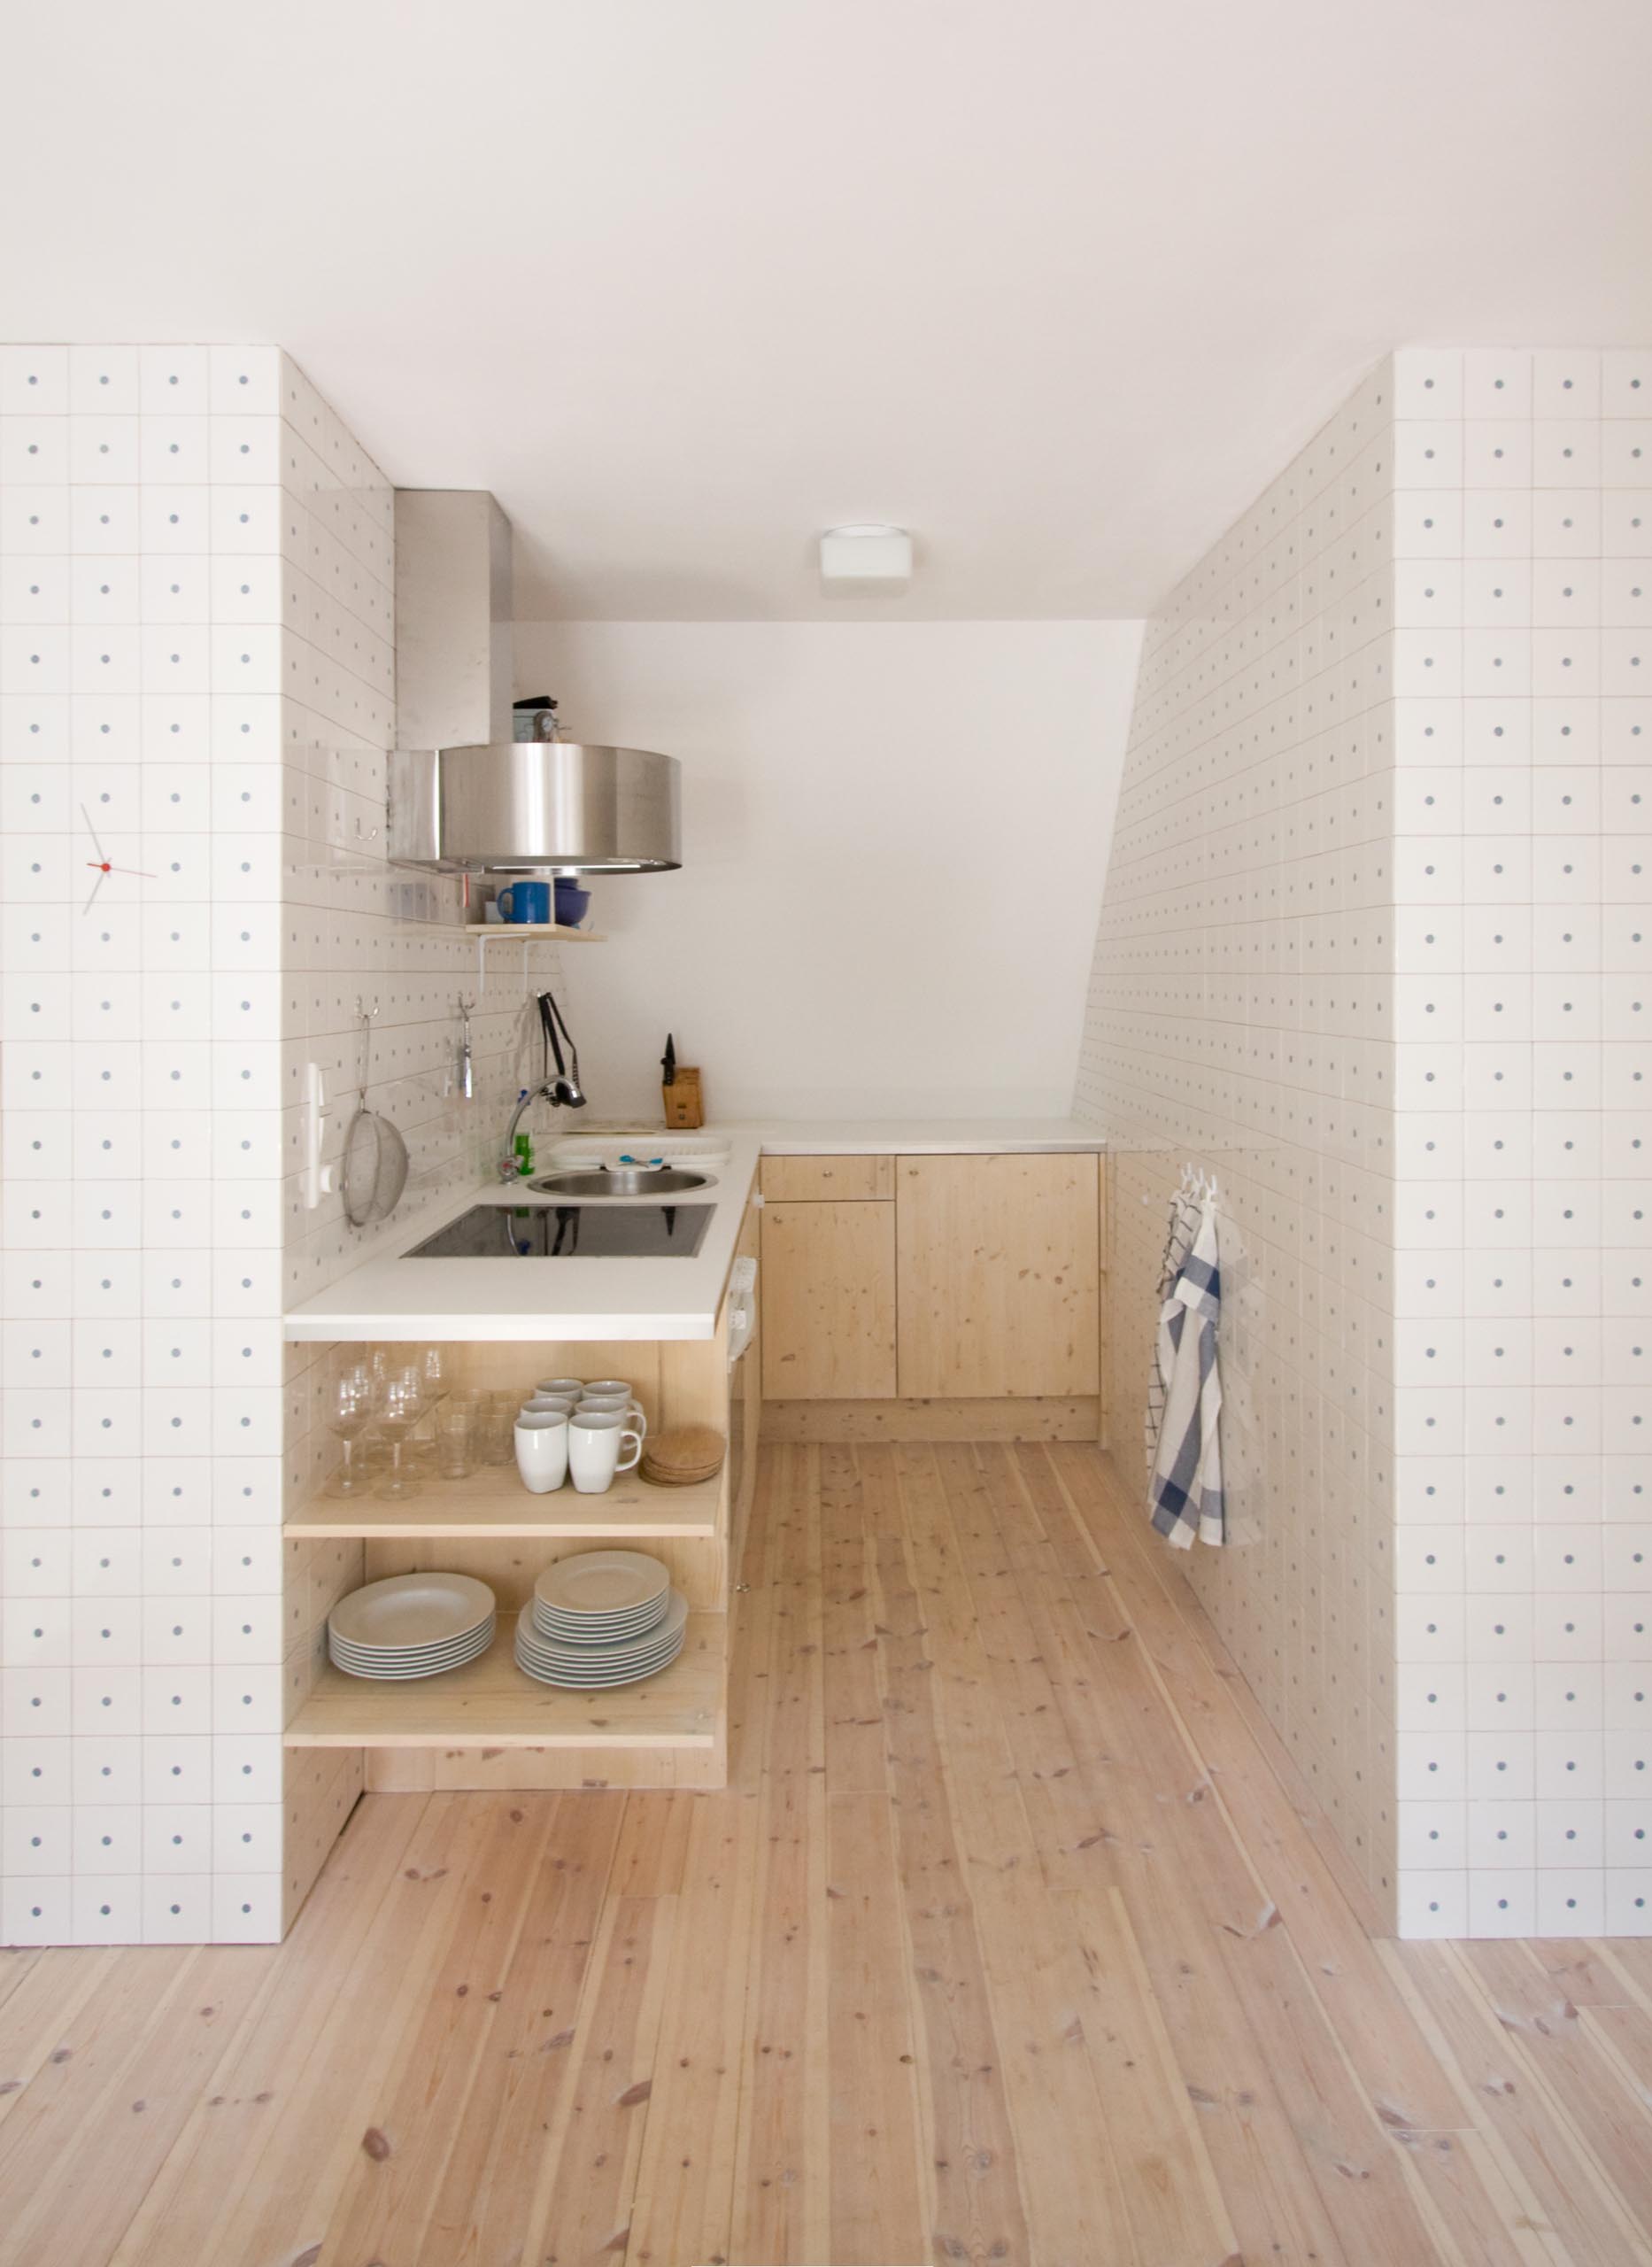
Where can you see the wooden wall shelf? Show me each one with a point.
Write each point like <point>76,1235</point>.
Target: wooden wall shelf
<point>489,1703</point>
<point>493,1502</point>
<point>523,933</point>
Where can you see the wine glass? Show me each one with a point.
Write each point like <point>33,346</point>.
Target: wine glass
<point>375,1452</point>
<point>432,1366</point>
<point>349,1412</point>
<point>399,1408</point>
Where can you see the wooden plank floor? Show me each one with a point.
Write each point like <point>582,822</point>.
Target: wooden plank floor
<point>1012,1941</point>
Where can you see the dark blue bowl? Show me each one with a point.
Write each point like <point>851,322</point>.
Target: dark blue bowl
<point>572,904</point>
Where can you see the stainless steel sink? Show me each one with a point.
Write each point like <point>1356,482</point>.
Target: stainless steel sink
<point>621,1180</point>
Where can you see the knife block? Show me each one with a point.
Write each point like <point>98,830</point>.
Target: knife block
<point>684,1110</point>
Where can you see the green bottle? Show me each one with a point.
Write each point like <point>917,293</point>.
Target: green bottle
<point>524,1155</point>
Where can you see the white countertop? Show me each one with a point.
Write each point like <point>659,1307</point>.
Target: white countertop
<point>392,1296</point>
<point>922,1137</point>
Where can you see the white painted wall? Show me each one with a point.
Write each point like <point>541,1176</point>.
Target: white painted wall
<point>894,839</point>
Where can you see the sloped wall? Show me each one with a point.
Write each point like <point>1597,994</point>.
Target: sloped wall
<point>1375,950</point>
<point>1238,1020</point>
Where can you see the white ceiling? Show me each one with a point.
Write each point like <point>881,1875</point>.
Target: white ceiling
<point>1056,284</point>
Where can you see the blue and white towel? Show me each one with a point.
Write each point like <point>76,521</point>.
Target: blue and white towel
<point>1184,1496</point>
<point>1185,1214</point>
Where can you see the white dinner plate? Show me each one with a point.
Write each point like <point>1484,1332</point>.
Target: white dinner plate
<point>655,1605</point>
<point>411,1660</point>
<point>573,1680</point>
<point>610,1669</point>
<point>603,1582</point>
<point>369,1657</point>
<point>597,1633</point>
<point>407,1612</point>
<point>670,1625</point>
<point>382,1672</point>
<point>598,1658</point>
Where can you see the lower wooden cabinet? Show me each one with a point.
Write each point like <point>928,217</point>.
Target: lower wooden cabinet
<point>829,1301</point>
<point>979,1281</point>
<point>997,1260</point>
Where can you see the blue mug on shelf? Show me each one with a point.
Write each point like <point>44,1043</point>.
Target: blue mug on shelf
<point>525,901</point>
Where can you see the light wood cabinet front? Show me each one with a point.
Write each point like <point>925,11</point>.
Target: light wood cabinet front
<point>827,1180</point>
<point>829,1301</point>
<point>998,1268</point>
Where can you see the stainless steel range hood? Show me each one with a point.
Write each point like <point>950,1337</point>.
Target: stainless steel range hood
<point>519,806</point>
<point>464,796</point>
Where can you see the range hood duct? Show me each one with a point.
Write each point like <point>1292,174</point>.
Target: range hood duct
<point>525,806</point>
<point>464,798</point>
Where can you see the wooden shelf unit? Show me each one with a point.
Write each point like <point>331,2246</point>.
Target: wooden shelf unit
<point>493,1503</point>
<point>489,1703</point>
<point>486,1726</point>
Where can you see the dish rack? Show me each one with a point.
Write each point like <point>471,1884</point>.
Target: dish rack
<point>591,1151</point>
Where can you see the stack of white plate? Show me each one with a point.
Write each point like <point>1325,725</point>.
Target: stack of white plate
<point>604,1617</point>
<point>411,1625</point>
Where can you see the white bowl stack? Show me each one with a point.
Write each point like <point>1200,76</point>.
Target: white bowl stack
<point>601,1618</point>
<point>411,1625</point>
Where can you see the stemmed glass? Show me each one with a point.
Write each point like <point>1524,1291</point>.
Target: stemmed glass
<point>400,1406</point>
<point>430,1362</point>
<point>375,1452</point>
<point>349,1412</point>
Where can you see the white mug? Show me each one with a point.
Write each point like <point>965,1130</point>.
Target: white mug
<point>595,1439</point>
<point>565,1388</point>
<point>619,1403</point>
<point>541,1438</point>
<point>541,1401</point>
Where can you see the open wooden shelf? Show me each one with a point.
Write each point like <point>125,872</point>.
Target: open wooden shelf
<point>494,1502</point>
<point>523,933</point>
<point>493,932</point>
<point>489,1703</point>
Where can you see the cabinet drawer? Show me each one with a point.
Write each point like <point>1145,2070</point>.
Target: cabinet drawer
<point>828,1180</point>
<point>829,1301</point>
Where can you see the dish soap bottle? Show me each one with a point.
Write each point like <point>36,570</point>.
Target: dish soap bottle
<point>523,1146</point>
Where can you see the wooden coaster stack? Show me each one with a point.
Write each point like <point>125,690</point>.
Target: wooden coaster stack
<point>685,1455</point>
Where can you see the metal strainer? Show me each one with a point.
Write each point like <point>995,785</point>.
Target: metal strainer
<point>375,1171</point>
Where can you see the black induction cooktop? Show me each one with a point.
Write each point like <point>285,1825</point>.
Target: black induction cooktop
<point>569,1232</point>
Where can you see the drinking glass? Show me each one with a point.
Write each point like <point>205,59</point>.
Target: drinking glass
<point>399,1409</point>
<point>349,1412</point>
<point>453,1446</point>
<point>501,1427</point>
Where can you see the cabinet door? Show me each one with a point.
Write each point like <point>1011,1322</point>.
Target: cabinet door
<point>829,1301</point>
<point>998,1261</point>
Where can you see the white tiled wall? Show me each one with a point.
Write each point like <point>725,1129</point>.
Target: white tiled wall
<point>1523,1293</point>
<point>1239,1018</point>
<point>1372,950</point>
<point>197,674</point>
<point>141,557</point>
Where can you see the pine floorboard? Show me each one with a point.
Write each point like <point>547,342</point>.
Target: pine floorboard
<point>1014,1939</point>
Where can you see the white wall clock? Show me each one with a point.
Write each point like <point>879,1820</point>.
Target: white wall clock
<point>101,866</point>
